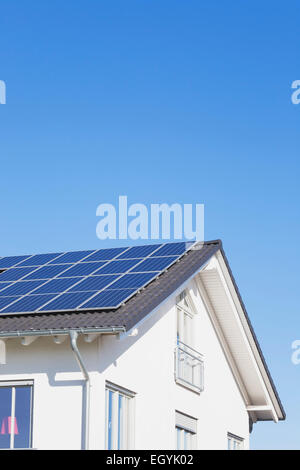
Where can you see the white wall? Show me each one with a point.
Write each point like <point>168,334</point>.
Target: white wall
<point>143,364</point>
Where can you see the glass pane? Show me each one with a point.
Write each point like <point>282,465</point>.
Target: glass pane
<point>23,418</point>
<point>178,325</point>
<point>109,423</point>
<point>5,417</point>
<point>187,330</point>
<point>120,421</point>
<point>186,440</point>
<point>178,439</point>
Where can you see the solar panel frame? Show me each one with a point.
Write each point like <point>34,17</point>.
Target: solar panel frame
<point>15,274</point>
<point>154,264</point>
<point>94,283</point>
<point>4,285</point>
<point>65,283</point>
<point>44,272</point>
<point>173,249</point>
<point>119,296</point>
<point>5,264</point>
<point>133,280</point>
<point>66,301</point>
<point>37,260</point>
<point>36,300</point>
<point>107,254</point>
<point>21,288</point>
<point>142,251</point>
<point>117,266</point>
<point>82,269</point>
<point>5,301</point>
<point>66,258</point>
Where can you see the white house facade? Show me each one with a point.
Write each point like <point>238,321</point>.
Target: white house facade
<point>177,366</point>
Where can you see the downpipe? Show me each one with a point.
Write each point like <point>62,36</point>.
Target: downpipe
<point>73,340</point>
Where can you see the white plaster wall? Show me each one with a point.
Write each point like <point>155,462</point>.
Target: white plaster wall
<point>143,364</point>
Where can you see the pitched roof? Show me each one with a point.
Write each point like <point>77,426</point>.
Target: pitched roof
<point>127,315</point>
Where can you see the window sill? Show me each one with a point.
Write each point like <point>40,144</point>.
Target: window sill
<point>188,386</point>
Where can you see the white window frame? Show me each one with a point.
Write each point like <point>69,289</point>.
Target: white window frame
<point>189,363</point>
<point>185,432</point>
<point>13,384</point>
<point>234,442</point>
<point>185,316</point>
<point>122,434</point>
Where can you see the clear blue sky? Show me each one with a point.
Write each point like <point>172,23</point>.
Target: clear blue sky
<point>182,101</point>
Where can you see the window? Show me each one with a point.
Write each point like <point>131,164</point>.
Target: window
<point>234,442</point>
<point>15,415</point>
<point>119,423</point>
<point>189,365</point>
<point>186,431</point>
<point>185,317</point>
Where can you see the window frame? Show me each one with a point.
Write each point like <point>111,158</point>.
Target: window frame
<point>185,432</point>
<point>185,436</point>
<point>119,440</point>
<point>186,356</point>
<point>13,384</point>
<point>185,316</point>
<point>235,442</point>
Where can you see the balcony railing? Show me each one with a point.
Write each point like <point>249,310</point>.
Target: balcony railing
<point>189,367</point>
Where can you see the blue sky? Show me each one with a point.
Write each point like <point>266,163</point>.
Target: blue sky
<point>162,101</point>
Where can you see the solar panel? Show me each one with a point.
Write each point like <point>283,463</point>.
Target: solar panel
<point>118,267</point>
<point>172,249</point>
<point>154,264</point>
<point>3,285</point>
<point>139,251</point>
<point>28,303</point>
<point>14,274</point>
<point>57,285</point>
<point>10,261</point>
<point>67,301</point>
<point>82,269</point>
<point>108,298</point>
<point>132,281</point>
<point>90,279</point>
<point>39,260</point>
<point>106,254</point>
<point>4,301</point>
<point>21,288</point>
<point>94,283</point>
<point>47,272</point>
<point>72,257</point>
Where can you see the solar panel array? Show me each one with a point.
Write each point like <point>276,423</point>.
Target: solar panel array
<point>81,280</point>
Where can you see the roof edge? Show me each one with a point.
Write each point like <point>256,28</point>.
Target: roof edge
<point>60,331</point>
<point>273,387</point>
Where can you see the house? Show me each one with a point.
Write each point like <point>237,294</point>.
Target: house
<point>172,364</point>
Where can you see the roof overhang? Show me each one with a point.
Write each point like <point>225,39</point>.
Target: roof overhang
<point>236,335</point>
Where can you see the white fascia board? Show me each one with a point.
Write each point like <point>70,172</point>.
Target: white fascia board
<point>225,347</point>
<point>249,340</point>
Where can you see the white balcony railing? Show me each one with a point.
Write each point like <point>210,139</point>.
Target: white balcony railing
<point>189,367</point>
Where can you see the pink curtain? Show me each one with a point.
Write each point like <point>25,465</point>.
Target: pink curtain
<point>7,425</point>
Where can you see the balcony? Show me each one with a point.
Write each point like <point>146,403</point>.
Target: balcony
<point>189,367</point>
